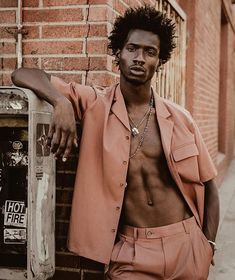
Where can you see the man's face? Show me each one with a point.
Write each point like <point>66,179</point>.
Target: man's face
<point>139,57</point>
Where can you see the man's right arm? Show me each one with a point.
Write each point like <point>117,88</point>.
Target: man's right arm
<point>62,133</point>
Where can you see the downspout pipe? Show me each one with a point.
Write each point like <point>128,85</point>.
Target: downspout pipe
<point>19,34</point>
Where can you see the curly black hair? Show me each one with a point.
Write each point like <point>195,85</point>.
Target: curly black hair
<point>145,18</point>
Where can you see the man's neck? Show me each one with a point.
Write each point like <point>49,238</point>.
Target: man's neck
<point>135,95</point>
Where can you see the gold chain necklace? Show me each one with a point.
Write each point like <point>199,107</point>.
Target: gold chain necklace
<point>142,137</point>
<point>135,127</point>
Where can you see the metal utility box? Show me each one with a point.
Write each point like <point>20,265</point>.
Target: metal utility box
<point>27,187</point>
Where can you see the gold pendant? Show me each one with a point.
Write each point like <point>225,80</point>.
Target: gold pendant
<point>135,131</point>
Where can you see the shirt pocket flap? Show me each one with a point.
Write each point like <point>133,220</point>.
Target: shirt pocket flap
<point>185,152</point>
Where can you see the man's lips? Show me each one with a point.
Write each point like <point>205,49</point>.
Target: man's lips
<point>137,68</point>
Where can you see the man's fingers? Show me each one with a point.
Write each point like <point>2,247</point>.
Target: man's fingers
<point>75,141</point>
<point>55,141</point>
<point>62,144</point>
<point>68,148</point>
<point>50,134</point>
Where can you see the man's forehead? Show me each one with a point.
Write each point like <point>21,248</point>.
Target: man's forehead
<point>143,37</point>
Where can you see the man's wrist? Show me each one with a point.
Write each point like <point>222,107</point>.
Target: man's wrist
<point>213,245</point>
<point>60,100</point>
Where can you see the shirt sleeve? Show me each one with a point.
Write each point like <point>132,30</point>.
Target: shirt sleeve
<point>81,97</point>
<point>207,169</point>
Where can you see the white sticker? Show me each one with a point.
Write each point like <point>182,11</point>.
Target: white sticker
<point>14,236</point>
<point>15,105</point>
<point>15,213</point>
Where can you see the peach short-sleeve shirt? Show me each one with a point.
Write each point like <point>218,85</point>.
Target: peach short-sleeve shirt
<point>103,163</point>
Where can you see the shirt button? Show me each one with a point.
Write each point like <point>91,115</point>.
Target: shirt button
<point>121,185</point>
<point>127,137</point>
<point>124,162</point>
<point>113,230</point>
<point>149,233</point>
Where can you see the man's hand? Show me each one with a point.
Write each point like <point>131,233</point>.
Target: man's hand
<point>62,133</point>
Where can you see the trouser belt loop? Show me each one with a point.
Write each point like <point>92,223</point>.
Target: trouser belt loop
<point>135,234</point>
<point>186,226</point>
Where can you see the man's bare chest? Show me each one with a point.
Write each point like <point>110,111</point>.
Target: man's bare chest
<point>147,144</point>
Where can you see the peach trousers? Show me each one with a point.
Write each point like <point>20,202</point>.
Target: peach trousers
<point>177,251</point>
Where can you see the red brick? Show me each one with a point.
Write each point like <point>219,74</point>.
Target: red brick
<point>7,17</point>
<point>31,62</point>
<point>30,3</point>
<point>63,213</point>
<point>61,243</point>
<point>119,7</point>
<point>64,31</point>
<point>62,274</point>
<point>97,46</point>
<point>52,47</point>
<point>71,163</point>
<point>61,228</point>
<point>67,63</point>
<point>6,32</point>
<point>63,2</point>
<point>99,2</point>
<point>101,79</point>
<point>65,180</point>
<point>63,196</point>
<point>8,3</point>
<point>131,3</point>
<point>9,63</point>
<point>53,15</point>
<point>98,13</point>
<point>98,63</point>
<point>67,260</point>
<point>93,276</point>
<point>90,264</point>
<point>7,48</point>
<point>69,78</point>
<point>6,79</point>
<point>32,32</point>
<point>98,30</point>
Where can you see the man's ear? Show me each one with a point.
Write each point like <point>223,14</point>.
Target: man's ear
<point>160,65</point>
<point>117,57</point>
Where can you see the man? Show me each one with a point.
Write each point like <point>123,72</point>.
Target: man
<point>144,171</point>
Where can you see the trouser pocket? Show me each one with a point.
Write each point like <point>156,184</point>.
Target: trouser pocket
<point>202,253</point>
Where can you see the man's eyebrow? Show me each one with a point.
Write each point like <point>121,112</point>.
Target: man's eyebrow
<point>147,47</point>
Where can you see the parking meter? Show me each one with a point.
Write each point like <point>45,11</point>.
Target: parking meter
<point>27,187</point>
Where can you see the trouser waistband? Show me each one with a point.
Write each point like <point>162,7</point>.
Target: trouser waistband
<point>158,232</point>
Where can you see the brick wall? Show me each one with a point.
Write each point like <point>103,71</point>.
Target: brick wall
<point>69,38</point>
<point>205,58</point>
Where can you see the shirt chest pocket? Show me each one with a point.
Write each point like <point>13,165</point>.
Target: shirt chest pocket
<point>185,158</point>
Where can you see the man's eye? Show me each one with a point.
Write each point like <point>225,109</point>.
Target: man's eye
<point>152,52</point>
<point>131,48</point>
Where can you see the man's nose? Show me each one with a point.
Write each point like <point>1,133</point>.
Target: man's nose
<point>139,58</point>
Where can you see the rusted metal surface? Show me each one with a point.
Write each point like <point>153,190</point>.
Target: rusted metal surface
<point>170,80</point>
<point>13,102</point>
<point>27,189</point>
<point>42,197</point>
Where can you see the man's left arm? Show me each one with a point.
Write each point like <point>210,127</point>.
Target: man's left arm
<point>211,211</point>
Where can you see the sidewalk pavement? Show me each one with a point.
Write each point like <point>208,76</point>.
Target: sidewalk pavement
<point>224,268</point>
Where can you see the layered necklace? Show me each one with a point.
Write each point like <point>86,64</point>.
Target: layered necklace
<point>135,127</point>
